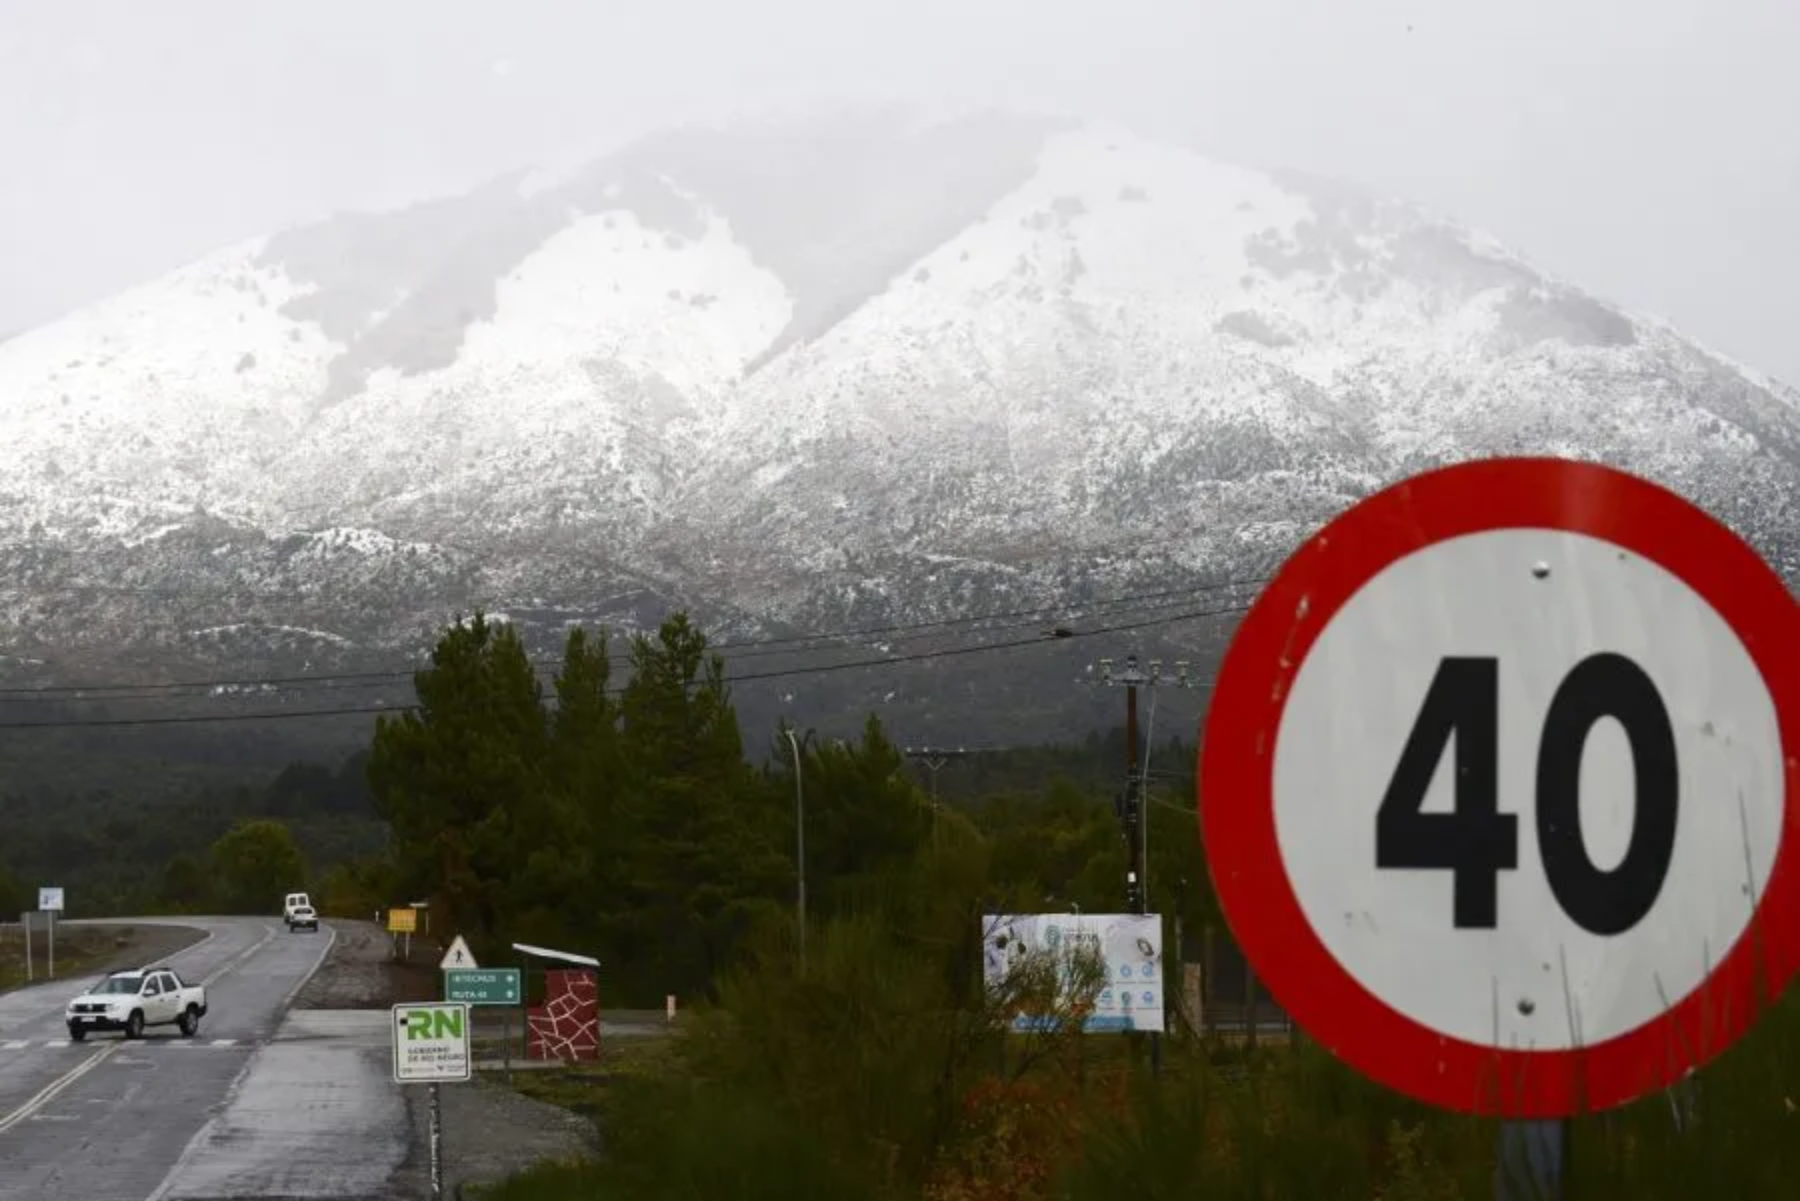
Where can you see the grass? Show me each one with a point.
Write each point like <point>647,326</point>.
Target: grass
<point>557,1181</point>
<point>80,951</point>
<point>582,1088</point>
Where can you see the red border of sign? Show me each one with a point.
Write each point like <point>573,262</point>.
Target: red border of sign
<point>1236,783</point>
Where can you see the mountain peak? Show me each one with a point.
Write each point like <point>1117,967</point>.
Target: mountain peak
<point>861,370</point>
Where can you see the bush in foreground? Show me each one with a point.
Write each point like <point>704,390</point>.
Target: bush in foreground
<point>877,1075</point>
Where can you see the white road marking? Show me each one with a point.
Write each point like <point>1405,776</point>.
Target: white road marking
<point>192,1150</point>
<point>311,971</point>
<point>146,1044</point>
<point>231,964</point>
<point>54,1087</point>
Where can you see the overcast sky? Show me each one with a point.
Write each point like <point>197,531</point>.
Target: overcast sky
<point>1644,149</point>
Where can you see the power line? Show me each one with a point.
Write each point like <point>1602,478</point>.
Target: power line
<point>194,689</point>
<point>818,669</point>
<point>1165,598</point>
<point>1134,600</point>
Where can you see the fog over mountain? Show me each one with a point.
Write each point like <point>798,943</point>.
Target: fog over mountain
<point>820,376</point>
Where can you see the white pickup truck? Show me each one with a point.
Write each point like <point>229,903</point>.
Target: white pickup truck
<point>130,1001</point>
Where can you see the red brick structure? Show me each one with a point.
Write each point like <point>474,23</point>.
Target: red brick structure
<point>566,1026</point>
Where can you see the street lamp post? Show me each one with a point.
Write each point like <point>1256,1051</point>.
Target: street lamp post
<point>800,841</point>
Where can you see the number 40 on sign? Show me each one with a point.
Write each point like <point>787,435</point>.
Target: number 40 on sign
<point>1498,786</point>
<point>1475,841</point>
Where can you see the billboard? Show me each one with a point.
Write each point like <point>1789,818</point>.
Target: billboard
<point>1129,945</point>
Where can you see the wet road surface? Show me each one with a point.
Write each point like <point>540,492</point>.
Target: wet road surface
<point>316,1114</point>
<point>109,1120</point>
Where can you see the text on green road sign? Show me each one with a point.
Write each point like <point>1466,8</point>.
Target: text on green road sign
<point>482,986</point>
<point>434,1023</point>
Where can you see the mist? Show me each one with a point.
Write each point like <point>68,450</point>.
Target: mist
<point>1640,150</point>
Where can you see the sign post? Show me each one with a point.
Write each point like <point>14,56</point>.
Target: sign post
<point>473,985</point>
<point>50,900</point>
<point>431,1046</point>
<point>401,923</point>
<point>1500,788</point>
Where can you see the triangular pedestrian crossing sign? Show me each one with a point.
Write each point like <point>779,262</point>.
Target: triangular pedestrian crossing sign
<point>458,955</point>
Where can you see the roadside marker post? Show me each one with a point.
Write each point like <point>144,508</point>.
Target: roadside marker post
<point>1500,791</point>
<point>50,900</point>
<point>431,1046</point>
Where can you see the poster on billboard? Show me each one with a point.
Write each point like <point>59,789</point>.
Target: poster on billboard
<point>1129,945</point>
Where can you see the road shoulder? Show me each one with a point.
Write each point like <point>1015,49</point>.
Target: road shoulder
<point>102,949</point>
<point>360,973</point>
<point>490,1131</point>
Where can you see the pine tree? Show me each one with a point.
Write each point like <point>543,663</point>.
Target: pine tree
<point>460,778</point>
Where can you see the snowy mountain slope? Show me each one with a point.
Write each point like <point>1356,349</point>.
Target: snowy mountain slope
<point>802,377</point>
<point>1204,379</point>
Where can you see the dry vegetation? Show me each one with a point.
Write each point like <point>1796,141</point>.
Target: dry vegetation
<point>855,1083</point>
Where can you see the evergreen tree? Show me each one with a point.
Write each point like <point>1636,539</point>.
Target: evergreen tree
<point>865,819</point>
<point>253,864</point>
<point>699,827</point>
<point>12,896</point>
<point>569,848</point>
<point>187,885</point>
<point>457,778</point>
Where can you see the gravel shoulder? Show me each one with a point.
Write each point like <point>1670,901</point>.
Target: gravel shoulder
<point>361,972</point>
<point>489,1131</point>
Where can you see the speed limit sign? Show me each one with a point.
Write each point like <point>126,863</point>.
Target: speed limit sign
<point>1499,787</point>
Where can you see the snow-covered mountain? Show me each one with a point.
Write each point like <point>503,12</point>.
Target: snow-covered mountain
<point>809,377</point>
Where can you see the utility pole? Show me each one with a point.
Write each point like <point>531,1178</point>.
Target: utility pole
<point>1132,818</point>
<point>934,758</point>
<point>1130,805</point>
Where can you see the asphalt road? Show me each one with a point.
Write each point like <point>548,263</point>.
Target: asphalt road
<point>109,1120</point>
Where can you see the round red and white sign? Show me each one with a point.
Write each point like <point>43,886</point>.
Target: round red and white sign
<point>1500,787</point>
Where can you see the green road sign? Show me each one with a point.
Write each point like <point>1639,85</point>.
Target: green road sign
<point>482,985</point>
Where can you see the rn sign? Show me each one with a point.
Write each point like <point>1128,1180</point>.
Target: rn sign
<point>431,1043</point>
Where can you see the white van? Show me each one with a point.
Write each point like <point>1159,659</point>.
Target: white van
<point>294,901</point>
